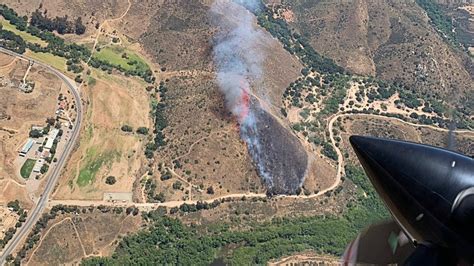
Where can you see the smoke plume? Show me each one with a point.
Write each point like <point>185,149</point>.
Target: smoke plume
<point>239,65</point>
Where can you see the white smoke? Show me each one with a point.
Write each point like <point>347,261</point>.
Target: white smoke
<point>236,54</point>
<point>239,62</point>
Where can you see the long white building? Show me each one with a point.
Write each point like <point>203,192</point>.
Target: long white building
<point>27,147</point>
<point>51,137</point>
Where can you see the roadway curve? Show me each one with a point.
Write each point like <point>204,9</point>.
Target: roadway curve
<point>41,204</point>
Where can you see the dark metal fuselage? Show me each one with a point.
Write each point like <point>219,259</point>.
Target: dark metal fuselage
<point>429,190</point>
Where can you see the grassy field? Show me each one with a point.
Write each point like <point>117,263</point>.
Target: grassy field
<point>114,56</point>
<point>27,167</point>
<point>26,36</point>
<point>92,164</point>
<point>55,61</point>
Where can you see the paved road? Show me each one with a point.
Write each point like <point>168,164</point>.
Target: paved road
<point>54,173</point>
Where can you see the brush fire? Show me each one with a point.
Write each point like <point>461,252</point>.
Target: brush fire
<point>279,157</point>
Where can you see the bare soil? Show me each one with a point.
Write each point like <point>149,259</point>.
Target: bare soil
<point>393,41</point>
<point>18,112</point>
<point>113,101</point>
<point>69,238</point>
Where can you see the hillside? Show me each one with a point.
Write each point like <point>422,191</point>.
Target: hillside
<point>218,131</point>
<point>394,41</point>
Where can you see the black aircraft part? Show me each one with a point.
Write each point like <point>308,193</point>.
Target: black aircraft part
<point>428,190</point>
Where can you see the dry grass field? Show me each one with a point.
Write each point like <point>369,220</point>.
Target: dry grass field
<point>104,149</point>
<point>69,238</point>
<point>391,128</point>
<point>18,112</point>
<point>8,220</point>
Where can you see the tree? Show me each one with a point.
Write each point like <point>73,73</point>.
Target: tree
<point>126,128</point>
<point>44,168</point>
<point>210,190</point>
<point>14,205</point>
<point>177,185</point>
<point>110,180</point>
<point>78,79</point>
<point>10,258</point>
<point>35,133</point>
<point>50,121</point>
<point>142,130</point>
<point>80,28</point>
<point>165,176</point>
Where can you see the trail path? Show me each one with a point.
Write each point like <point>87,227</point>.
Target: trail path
<point>99,30</point>
<point>249,195</point>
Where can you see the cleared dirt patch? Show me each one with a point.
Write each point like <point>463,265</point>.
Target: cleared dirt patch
<point>61,245</point>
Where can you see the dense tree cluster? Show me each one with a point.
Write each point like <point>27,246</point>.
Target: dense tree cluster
<point>60,24</point>
<point>11,41</point>
<point>104,65</point>
<point>158,112</point>
<point>295,43</point>
<point>150,191</point>
<point>35,133</point>
<point>339,85</point>
<point>168,241</point>
<point>56,45</point>
<point>41,27</point>
<point>10,15</point>
<point>328,151</point>
<point>15,207</point>
<point>442,22</point>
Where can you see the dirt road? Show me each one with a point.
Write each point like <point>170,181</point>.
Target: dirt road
<point>35,213</point>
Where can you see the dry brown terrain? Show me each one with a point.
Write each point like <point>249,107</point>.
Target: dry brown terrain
<point>207,146</point>
<point>393,41</point>
<point>18,112</point>
<point>306,258</point>
<point>390,40</point>
<point>104,149</point>
<point>392,128</point>
<point>69,238</point>
<point>92,12</point>
<point>8,220</point>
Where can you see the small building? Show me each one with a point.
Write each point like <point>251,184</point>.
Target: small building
<point>39,128</point>
<point>118,197</point>
<point>62,105</point>
<point>38,165</point>
<point>27,147</point>
<point>45,154</point>
<point>26,87</point>
<point>51,137</point>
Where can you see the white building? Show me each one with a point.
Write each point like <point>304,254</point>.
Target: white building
<point>27,147</point>
<point>39,128</point>
<point>51,137</point>
<point>37,168</point>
